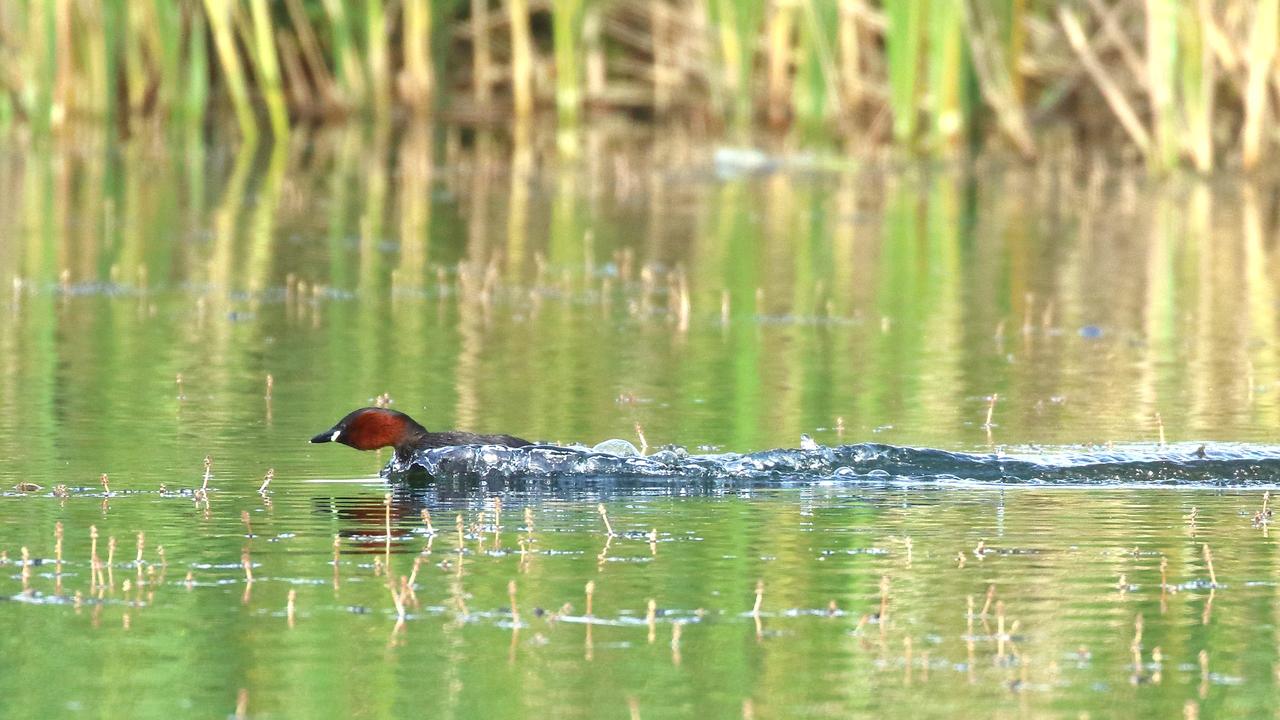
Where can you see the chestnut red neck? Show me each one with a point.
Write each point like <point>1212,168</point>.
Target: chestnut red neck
<point>372,428</point>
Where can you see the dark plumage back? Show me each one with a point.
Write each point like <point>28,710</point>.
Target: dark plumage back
<point>458,437</point>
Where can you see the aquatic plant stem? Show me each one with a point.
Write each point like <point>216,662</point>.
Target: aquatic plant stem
<point>521,59</point>
<point>269,69</point>
<point>219,16</point>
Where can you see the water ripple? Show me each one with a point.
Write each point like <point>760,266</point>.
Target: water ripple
<point>1214,465</point>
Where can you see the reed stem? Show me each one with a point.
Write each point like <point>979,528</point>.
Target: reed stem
<point>218,13</point>
<point>521,59</point>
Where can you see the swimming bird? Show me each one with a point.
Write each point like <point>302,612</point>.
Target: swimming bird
<point>371,428</point>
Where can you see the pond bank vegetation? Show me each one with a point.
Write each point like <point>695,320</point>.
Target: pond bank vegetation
<point>1166,83</point>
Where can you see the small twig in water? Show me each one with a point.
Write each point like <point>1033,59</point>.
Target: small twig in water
<point>26,569</point>
<point>1263,517</point>
<point>398,602</point>
<point>94,563</point>
<point>608,528</point>
<point>1204,673</point>
<point>413,578</point>
<point>337,547</point>
<point>57,547</point>
<point>1000,633</point>
<point>884,601</point>
<point>906,659</point>
<point>511,594</point>
<point>111,560</point>
<point>386,504</point>
<point>991,593</point>
<point>1208,559</point>
<point>266,480</point>
<point>1136,645</point>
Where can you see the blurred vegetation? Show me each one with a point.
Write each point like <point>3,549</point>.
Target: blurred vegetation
<point>1169,82</point>
<point>569,303</point>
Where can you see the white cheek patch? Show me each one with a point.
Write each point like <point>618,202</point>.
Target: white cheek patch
<point>334,436</point>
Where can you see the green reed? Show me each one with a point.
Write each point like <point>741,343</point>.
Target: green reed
<point>417,79</point>
<point>948,67</point>
<point>815,97</point>
<point>567,34</point>
<point>344,55</point>
<point>1183,82</point>
<point>219,14</point>
<point>1195,73</point>
<point>1162,72</point>
<point>268,68</point>
<point>904,43</point>
<point>195,96</point>
<point>737,25</point>
<point>378,54</point>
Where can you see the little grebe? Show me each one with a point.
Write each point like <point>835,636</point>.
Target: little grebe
<point>372,428</point>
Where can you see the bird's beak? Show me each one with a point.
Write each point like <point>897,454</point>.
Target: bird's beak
<point>330,435</point>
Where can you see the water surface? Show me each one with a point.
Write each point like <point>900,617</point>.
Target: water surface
<point>994,311</point>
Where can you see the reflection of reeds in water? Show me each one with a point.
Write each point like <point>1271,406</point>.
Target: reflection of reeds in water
<point>944,259</point>
<point>415,195</point>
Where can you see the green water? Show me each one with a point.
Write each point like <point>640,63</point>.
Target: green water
<point>501,292</point>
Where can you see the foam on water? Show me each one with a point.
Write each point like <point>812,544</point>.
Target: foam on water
<point>1182,465</point>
